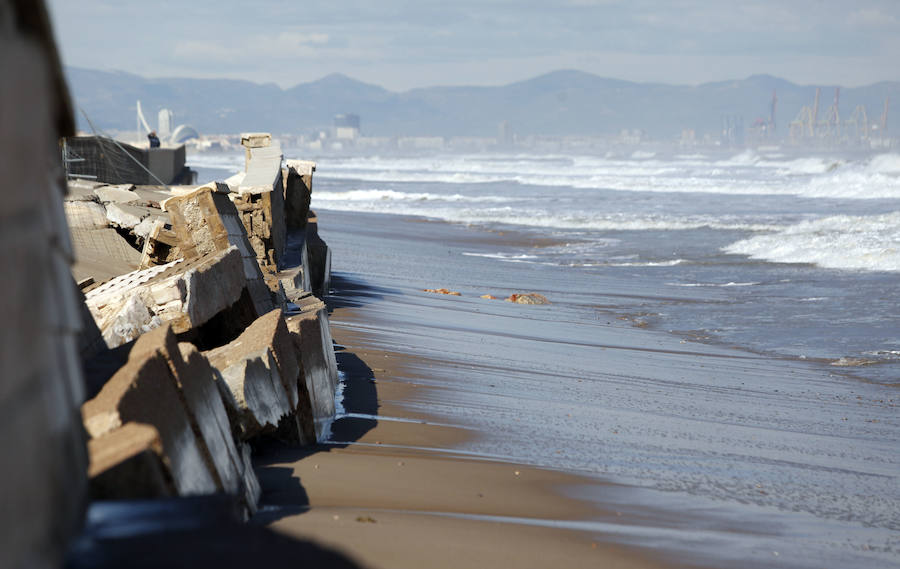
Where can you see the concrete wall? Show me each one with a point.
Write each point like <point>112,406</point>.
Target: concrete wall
<point>44,476</point>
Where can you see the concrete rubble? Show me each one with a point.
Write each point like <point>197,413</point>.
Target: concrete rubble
<point>161,283</point>
<point>214,361</point>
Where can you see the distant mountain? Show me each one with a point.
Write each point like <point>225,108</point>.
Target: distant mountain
<point>565,102</point>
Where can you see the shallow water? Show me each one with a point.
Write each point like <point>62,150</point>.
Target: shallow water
<point>730,455</point>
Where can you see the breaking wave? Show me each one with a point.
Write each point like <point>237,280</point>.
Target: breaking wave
<point>836,242</point>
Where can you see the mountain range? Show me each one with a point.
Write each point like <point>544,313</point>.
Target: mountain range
<point>565,102</point>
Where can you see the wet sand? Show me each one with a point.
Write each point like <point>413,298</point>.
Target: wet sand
<point>646,450</point>
<point>394,492</point>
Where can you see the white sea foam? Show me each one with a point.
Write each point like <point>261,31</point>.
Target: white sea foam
<point>745,173</point>
<point>531,213</point>
<point>501,256</point>
<point>717,285</point>
<point>837,242</point>
<point>370,195</point>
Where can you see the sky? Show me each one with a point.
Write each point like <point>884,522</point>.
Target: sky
<point>404,44</point>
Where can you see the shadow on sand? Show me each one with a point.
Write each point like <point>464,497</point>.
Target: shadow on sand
<point>283,492</point>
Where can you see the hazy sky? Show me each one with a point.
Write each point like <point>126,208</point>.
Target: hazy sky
<point>403,44</point>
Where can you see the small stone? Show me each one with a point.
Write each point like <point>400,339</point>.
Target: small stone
<point>528,298</point>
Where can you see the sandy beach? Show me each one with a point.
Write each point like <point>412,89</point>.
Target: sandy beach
<point>480,433</point>
<point>392,491</point>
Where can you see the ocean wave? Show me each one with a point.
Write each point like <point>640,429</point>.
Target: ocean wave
<point>837,242</point>
<point>745,173</point>
<point>529,214</point>
<point>369,195</point>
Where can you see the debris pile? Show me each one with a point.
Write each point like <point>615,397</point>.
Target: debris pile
<point>203,298</point>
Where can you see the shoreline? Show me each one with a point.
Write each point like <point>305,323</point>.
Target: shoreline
<point>394,490</point>
<point>456,348</point>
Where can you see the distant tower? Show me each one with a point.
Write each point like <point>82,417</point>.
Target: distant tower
<point>166,122</point>
<point>504,134</point>
<point>772,108</point>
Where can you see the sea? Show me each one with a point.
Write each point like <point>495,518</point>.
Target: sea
<point>800,251</point>
<point>722,348</point>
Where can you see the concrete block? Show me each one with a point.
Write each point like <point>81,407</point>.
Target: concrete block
<point>255,139</point>
<point>128,463</point>
<point>144,391</point>
<point>117,194</point>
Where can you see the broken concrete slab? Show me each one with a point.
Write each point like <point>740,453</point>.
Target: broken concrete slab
<point>143,391</point>
<point>152,196</point>
<point>297,180</point>
<point>128,463</point>
<point>117,194</point>
<point>207,221</point>
<point>196,381</point>
<point>85,215</point>
<point>262,214</point>
<point>130,216</point>
<point>160,244</point>
<point>263,374</point>
<point>102,254</point>
<point>312,337</point>
<point>251,140</point>
<point>185,293</point>
<point>319,256</point>
<point>258,401</point>
<point>263,170</point>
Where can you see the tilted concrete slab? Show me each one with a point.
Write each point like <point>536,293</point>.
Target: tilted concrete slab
<point>262,371</point>
<point>185,293</point>
<point>257,401</point>
<point>207,221</point>
<point>263,170</point>
<point>196,381</point>
<point>143,391</point>
<point>297,192</point>
<point>138,218</point>
<point>319,257</point>
<point>102,254</point>
<point>117,194</point>
<point>312,336</point>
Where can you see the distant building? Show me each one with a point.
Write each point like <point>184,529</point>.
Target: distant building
<point>346,127</point>
<point>166,121</point>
